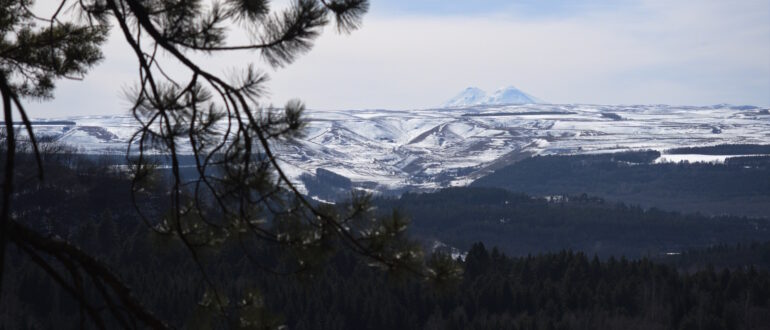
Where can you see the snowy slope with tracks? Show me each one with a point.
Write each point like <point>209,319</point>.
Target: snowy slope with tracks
<point>390,150</point>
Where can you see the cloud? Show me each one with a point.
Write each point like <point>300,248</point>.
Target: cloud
<point>675,52</point>
<point>522,8</point>
<point>654,52</point>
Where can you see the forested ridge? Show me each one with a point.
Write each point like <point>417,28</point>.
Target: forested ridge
<point>565,290</point>
<point>740,186</point>
<point>724,149</point>
<point>741,255</point>
<point>87,204</point>
<point>520,224</point>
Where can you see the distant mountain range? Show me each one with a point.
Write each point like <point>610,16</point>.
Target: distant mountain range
<point>473,96</point>
<point>398,150</point>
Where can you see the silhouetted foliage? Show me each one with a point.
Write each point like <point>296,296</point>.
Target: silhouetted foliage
<point>235,194</point>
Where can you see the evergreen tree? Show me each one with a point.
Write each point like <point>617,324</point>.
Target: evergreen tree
<point>240,194</point>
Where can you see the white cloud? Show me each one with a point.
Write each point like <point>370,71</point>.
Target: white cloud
<point>678,52</point>
<point>655,53</point>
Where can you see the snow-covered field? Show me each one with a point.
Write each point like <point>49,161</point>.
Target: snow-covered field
<point>696,158</point>
<point>431,148</point>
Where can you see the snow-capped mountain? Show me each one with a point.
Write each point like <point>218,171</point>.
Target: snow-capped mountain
<point>469,96</point>
<point>510,95</point>
<point>389,150</point>
<point>473,96</point>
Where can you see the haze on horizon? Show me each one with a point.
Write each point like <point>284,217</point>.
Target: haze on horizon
<point>419,53</point>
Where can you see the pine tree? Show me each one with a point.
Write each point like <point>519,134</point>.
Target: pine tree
<point>240,196</point>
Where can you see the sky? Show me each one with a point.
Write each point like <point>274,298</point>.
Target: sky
<point>413,54</point>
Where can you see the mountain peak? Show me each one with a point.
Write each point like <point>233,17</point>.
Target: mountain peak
<point>470,95</point>
<point>509,88</point>
<point>510,95</point>
<point>473,96</point>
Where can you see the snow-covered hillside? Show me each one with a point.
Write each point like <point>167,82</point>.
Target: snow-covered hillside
<point>389,150</point>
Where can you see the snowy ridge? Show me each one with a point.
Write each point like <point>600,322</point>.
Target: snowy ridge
<point>389,150</point>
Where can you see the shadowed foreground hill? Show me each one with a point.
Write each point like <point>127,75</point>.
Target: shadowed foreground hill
<point>519,224</point>
<point>739,187</point>
<point>88,205</point>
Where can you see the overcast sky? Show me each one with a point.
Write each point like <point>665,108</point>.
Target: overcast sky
<point>419,53</point>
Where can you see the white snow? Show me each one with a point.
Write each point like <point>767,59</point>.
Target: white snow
<point>426,149</point>
<point>473,96</point>
<point>469,96</point>
<point>510,95</point>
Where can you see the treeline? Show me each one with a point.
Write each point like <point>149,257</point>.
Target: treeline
<point>724,149</point>
<point>519,224</point>
<point>563,290</point>
<point>721,256</point>
<point>748,161</point>
<point>740,187</point>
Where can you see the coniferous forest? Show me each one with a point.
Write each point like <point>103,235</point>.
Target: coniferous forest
<point>508,282</point>
<point>740,186</point>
